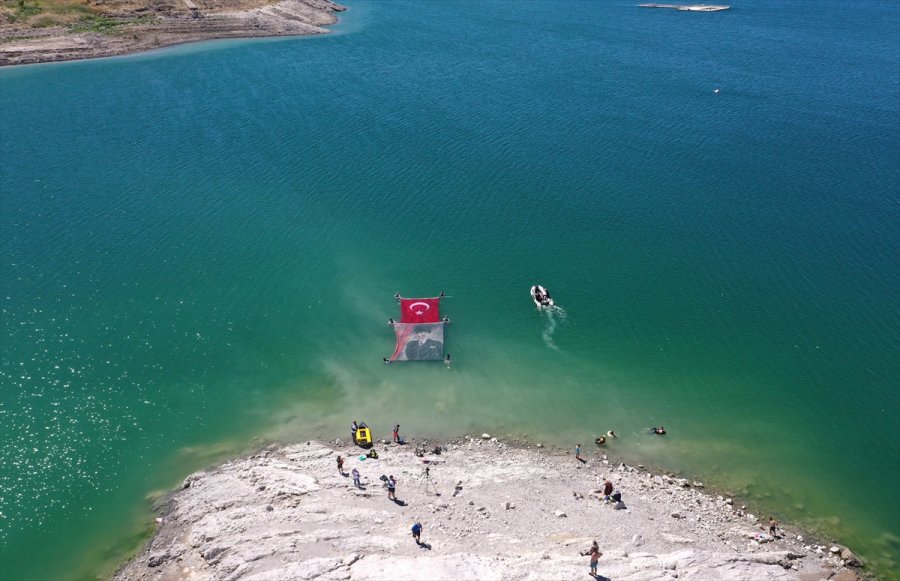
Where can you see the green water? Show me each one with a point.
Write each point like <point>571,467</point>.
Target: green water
<point>200,247</point>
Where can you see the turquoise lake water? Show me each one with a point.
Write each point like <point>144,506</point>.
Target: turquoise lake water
<point>200,247</point>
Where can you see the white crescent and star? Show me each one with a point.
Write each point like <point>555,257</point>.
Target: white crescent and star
<point>419,312</point>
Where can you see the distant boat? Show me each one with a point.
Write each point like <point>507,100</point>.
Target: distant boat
<point>688,7</point>
<point>541,297</point>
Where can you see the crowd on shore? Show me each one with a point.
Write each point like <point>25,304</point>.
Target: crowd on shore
<point>469,508</point>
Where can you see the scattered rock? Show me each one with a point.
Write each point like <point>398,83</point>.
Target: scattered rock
<point>560,514</point>
<point>157,560</point>
<point>849,558</point>
<point>676,539</point>
<point>485,436</point>
<point>845,575</point>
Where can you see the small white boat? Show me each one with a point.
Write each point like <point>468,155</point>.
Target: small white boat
<point>541,297</point>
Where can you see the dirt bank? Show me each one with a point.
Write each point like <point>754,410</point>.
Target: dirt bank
<point>116,27</point>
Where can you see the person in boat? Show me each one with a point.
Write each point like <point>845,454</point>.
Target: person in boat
<point>660,431</point>
<point>545,298</point>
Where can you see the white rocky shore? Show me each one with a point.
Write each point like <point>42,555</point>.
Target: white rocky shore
<point>489,511</point>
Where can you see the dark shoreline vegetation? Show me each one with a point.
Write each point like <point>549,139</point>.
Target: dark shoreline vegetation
<point>44,13</point>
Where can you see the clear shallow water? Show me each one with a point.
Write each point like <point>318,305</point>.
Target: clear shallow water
<point>200,247</point>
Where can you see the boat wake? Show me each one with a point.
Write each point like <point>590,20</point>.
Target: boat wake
<point>553,317</point>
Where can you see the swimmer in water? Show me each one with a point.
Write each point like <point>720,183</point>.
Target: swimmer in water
<point>612,434</point>
<point>660,430</point>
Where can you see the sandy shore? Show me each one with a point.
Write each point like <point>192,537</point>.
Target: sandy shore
<point>143,29</point>
<point>489,510</point>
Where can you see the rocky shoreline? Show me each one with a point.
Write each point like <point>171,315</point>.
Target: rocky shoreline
<point>154,25</point>
<point>490,510</point>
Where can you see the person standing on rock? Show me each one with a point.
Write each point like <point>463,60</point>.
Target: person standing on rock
<point>417,531</point>
<point>595,558</point>
<point>355,474</point>
<point>353,428</point>
<point>607,489</point>
<point>595,554</point>
<point>340,463</point>
<point>392,487</point>
<point>397,434</point>
<point>578,452</point>
<point>773,527</point>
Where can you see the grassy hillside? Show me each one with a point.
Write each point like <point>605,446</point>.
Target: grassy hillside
<point>102,15</point>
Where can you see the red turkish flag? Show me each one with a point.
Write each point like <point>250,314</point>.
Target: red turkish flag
<point>420,310</point>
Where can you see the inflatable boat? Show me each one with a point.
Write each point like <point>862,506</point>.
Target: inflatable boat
<point>541,297</point>
<point>363,437</point>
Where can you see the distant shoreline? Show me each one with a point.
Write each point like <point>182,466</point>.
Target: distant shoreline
<point>133,32</point>
<point>490,509</point>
